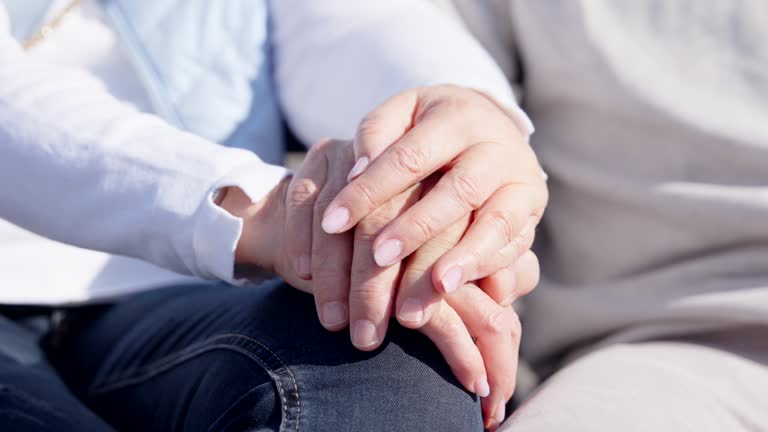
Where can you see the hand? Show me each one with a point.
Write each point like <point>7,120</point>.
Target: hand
<point>282,233</point>
<point>489,170</point>
<point>486,314</point>
<point>261,247</point>
<point>267,223</point>
<point>488,368</point>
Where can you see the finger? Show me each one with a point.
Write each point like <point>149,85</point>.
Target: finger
<point>372,288</point>
<point>510,283</point>
<point>461,190</point>
<point>331,254</point>
<point>503,230</point>
<point>381,128</point>
<point>416,297</point>
<point>452,338</point>
<point>424,149</point>
<point>497,331</point>
<point>300,202</point>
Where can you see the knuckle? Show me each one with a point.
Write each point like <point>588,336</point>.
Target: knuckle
<point>446,324</point>
<point>522,242</point>
<point>503,224</point>
<point>496,322</point>
<point>365,193</point>
<point>324,265</point>
<point>372,224</point>
<point>410,159</point>
<point>370,293</point>
<point>466,190</point>
<point>422,227</point>
<point>302,191</point>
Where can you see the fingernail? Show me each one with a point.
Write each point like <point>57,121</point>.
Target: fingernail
<point>411,310</point>
<point>501,412</point>
<point>482,388</point>
<point>304,266</point>
<point>358,168</point>
<point>334,313</point>
<point>334,221</point>
<point>451,279</point>
<point>388,252</point>
<point>364,334</point>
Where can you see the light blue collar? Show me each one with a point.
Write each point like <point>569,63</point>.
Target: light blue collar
<point>33,13</point>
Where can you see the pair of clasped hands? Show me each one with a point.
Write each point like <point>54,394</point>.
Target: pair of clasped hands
<point>428,215</point>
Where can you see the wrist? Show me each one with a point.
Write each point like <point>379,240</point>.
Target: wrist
<point>262,224</point>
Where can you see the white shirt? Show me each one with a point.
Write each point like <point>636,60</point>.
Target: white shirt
<point>83,168</point>
<point>32,264</point>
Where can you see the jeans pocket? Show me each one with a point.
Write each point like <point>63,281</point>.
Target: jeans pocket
<point>256,351</point>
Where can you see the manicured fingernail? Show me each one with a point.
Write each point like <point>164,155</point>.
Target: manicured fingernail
<point>388,252</point>
<point>334,221</point>
<point>482,388</point>
<point>451,279</point>
<point>501,412</point>
<point>334,313</point>
<point>358,168</point>
<point>411,310</point>
<point>364,334</point>
<point>304,266</point>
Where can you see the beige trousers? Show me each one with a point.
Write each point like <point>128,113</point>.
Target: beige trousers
<point>716,382</point>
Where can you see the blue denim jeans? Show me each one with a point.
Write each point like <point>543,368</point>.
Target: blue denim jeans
<point>217,358</point>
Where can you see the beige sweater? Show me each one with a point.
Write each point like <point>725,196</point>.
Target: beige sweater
<point>652,122</point>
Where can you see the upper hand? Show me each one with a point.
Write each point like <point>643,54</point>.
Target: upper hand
<point>488,169</point>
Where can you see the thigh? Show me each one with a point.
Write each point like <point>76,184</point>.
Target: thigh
<point>711,383</point>
<point>222,358</point>
<point>32,396</point>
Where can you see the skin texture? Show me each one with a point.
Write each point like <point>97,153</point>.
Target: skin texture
<point>487,169</point>
<point>430,214</point>
<point>486,367</point>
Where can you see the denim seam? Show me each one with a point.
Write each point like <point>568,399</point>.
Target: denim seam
<point>219,419</point>
<point>231,341</point>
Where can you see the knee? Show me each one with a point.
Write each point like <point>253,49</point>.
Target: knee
<point>405,384</point>
<point>411,371</point>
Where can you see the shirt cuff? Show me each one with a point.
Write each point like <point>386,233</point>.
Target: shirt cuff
<point>217,232</point>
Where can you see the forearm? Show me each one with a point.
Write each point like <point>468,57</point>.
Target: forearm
<point>80,167</point>
<point>338,59</point>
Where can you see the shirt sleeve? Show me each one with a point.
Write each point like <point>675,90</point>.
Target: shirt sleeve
<point>336,60</point>
<point>78,166</point>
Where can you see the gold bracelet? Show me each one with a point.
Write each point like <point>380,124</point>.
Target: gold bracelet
<point>50,26</point>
